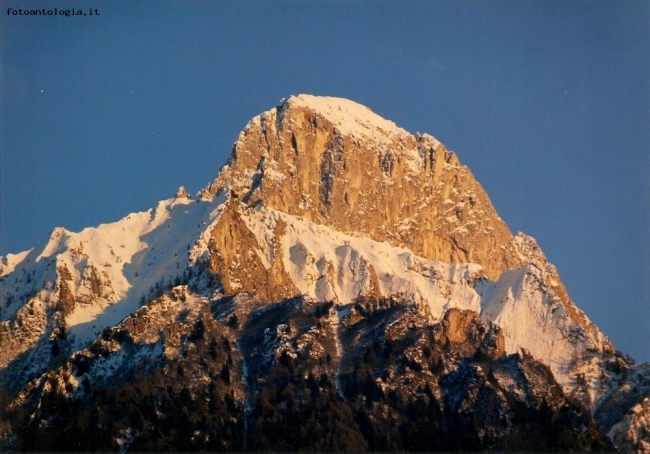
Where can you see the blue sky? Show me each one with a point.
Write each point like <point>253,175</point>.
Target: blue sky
<point>547,102</point>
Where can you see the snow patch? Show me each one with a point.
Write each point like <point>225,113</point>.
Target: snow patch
<point>349,117</point>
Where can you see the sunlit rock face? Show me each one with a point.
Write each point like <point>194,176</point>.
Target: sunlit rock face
<point>336,163</point>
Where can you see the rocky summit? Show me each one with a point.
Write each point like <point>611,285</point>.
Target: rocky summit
<point>341,285</point>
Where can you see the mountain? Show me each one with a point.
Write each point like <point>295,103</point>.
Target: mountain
<point>342,284</point>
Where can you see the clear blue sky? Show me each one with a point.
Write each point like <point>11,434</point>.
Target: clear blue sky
<point>548,103</point>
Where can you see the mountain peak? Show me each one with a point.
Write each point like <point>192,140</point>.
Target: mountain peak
<point>329,233</point>
<point>349,117</point>
<point>337,163</point>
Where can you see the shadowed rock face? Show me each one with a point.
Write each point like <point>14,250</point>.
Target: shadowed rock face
<point>336,163</point>
<point>299,375</point>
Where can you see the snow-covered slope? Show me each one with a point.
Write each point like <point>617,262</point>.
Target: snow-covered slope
<point>77,284</point>
<point>327,265</point>
<point>349,117</point>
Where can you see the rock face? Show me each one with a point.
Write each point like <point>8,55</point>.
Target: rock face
<point>336,163</point>
<point>243,374</point>
<point>338,271</point>
<point>632,433</point>
<point>181,193</point>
